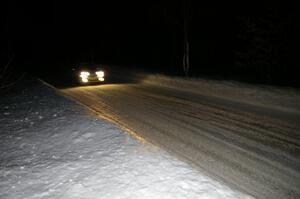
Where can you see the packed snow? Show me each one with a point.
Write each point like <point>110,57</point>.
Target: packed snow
<point>52,147</point>
<point>246,136</point>
<point>281,98</point>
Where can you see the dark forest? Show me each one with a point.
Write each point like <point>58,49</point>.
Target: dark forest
<point>256,42</point>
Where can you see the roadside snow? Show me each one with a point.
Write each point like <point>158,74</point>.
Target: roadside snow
<point>287,99</point>
<point>53,148</point>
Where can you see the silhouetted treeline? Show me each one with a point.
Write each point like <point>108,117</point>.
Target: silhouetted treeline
<point>257,42</point>
<point>265,46</point>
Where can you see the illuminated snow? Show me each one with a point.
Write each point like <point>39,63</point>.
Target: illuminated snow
<point>52,148</point>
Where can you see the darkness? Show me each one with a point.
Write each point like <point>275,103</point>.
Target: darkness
<point>256,42</point>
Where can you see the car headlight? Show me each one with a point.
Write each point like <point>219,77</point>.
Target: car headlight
<point>84,74</point>
<point>100,74</point>
<point>84,80</point>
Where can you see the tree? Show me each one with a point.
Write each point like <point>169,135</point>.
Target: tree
<point>176,15</point>
<point>261,41</point>
<point>186,47</point>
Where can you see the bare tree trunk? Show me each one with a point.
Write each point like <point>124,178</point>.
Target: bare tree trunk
<point>186,55</point>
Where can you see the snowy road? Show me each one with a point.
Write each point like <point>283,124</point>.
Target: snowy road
<point>252,148</point>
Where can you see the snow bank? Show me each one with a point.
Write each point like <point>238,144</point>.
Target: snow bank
<point>287,99</point>
<point>53,148</point>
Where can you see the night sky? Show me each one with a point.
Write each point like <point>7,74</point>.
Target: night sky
<point>229,40</point>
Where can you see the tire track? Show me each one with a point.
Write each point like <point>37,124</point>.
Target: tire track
<point>245,148</point>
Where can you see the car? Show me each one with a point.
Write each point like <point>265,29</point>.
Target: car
<point>90,74</point>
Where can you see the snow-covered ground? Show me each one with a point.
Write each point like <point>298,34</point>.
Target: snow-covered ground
<point>53,148</point>
<point>247,136</point>
<point>284,98</point>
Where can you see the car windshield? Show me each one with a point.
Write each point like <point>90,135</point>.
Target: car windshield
<point>89,68</point>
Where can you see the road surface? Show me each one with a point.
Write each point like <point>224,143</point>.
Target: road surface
<point>253,149</point>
